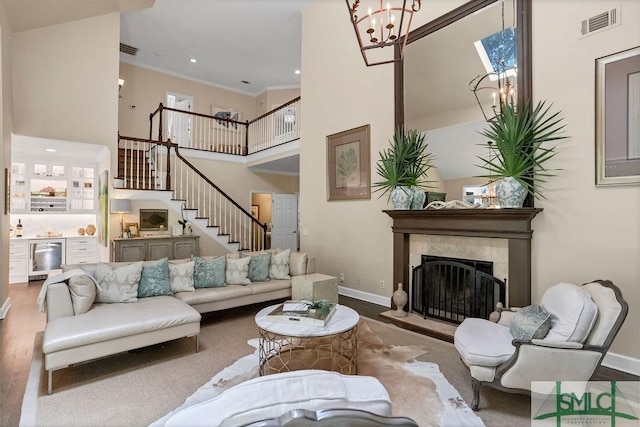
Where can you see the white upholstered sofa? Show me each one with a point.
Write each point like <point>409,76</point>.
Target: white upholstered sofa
<point>85,322</point>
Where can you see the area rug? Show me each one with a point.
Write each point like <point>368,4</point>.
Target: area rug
<point>141,387</point>
<point>417,389</point>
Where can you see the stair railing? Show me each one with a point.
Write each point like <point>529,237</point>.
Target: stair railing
<point>143,164</point>
<point>213,204</point>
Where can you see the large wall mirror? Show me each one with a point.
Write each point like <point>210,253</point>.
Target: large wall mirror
<point>432,84</point>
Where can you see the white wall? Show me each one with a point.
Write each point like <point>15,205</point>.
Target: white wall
<point>584,232</point>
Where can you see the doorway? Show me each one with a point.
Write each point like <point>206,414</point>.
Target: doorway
<point>280,213</point>
<point>178,126</point>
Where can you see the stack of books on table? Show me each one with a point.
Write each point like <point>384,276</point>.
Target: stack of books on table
<point>298,312</point>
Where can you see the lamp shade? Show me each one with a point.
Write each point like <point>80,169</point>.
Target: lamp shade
<point>120,206</point>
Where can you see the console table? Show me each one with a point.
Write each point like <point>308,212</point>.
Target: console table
<point>153,248</point>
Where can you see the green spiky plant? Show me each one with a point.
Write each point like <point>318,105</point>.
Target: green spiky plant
<point>405,163</point>
<point>516,147</point>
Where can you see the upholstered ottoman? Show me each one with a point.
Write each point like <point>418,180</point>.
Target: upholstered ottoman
<point>273,395</point>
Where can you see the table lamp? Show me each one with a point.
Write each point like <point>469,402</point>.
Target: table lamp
<point>121,206</point>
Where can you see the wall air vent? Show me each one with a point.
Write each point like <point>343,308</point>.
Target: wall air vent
<point>601,22</point>
<point>129,50</point>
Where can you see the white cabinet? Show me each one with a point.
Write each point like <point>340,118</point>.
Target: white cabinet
<point>82,250</point>
<point>42,169</point>
<point>18,261</point>
<point>48,187</point>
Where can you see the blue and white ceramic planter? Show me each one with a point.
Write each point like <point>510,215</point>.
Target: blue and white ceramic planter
<point>510,192</point>
<point>401,198</point>
<point>417,201</point>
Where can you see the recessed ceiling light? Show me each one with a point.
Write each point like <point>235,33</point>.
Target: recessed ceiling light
<point>194,60</point>
<point>50,150</point>
<point>297,71</point>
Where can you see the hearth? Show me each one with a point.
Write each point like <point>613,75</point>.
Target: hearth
<point>453,289</point>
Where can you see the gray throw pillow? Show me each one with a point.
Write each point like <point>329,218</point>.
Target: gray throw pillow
<point>238,271</point>
<point>154,280</point>
<point>209,273</point>
<point>279,268</point>
<point>531,322</point>
<point>118,284</point>
<point>181,276</point>
<point>259,266</point>
<point>83,293</point>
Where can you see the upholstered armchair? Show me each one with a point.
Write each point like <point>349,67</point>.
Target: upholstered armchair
<point>564,338</point>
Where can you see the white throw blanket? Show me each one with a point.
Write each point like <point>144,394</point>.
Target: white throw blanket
<point>42,297</point>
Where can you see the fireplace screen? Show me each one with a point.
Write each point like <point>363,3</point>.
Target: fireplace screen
<point>451,289</point>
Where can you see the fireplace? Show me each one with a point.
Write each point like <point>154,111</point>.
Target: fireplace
<point>452,289</point>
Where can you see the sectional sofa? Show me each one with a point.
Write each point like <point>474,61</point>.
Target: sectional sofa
<point>97,310</point>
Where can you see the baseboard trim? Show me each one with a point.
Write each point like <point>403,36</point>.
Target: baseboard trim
<point>5,308</point>
<point>365,296</point>
<point>622,363</point>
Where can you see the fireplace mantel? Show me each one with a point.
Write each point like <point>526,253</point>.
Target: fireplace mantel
<point>511,224</point>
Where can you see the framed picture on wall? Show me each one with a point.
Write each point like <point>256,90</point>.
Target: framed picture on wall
<point>225,118</point>
<point>348,165</point>
<point>255,211</point>
<point>618,118</point>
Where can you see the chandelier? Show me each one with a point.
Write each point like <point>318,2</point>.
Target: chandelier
<point>379,24</point>
<point>498,88</point>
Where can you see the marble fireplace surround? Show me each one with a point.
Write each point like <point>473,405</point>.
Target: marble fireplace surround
<point>513,224</point>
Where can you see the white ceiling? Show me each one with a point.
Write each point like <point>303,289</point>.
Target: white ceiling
<point>253,40</point>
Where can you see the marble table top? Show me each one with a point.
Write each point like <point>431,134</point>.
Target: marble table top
<point>343,319</point>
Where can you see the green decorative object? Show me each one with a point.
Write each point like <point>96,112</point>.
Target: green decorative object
<point>516,145</point>
<point>404,164</point>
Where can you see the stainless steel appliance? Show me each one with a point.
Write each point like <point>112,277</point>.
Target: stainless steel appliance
<point>45,255</point>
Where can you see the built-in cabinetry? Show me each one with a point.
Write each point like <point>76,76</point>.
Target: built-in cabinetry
<point>153,248</point>
<point>52,186</point>
<point>18,261</point>
<point>82,250</point>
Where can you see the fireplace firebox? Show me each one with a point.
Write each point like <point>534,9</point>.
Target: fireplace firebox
<point>453,289</point>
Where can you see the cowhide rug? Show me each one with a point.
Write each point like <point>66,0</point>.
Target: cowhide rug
<point>417,389</point>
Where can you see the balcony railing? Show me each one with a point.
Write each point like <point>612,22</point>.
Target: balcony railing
<point>222,134</point>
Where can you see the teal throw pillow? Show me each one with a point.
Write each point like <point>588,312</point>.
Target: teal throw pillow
<point>259,267</point>
<point>531,322</point>
<point>154,280</point>
<point>209,273</point>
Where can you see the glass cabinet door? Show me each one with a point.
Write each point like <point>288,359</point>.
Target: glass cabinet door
<point>54,169</point>
<point>82,189</point>
<point>19,193</point>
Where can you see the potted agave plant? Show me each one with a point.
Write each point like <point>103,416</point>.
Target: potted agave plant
<point>403,168</point>
<point>518,153</point>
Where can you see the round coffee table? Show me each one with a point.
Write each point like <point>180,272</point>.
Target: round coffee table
<point>289,347</point>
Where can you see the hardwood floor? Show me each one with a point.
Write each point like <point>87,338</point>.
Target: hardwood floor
<point>18,330</point>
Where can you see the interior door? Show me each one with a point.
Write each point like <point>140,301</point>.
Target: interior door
<point>181,124</point>
<point>284,220</point>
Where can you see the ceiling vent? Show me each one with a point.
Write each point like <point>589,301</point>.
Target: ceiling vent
<point>129,50</point>
<point>601,22</point>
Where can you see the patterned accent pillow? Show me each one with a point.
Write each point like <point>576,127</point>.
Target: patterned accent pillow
<point>530,322</point>
<point>83,293</point>
<point>279,268</point>
<point>181,277</point>
<point>118,284</point>
<point>208,273</point>
<point>154,280</point>
<point>259,266</point>
<point>238,271</point>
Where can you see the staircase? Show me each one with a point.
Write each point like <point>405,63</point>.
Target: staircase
<point>161,170</point>
<point>159,167</point>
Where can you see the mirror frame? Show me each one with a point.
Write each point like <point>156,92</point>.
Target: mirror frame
<point>523,31</point>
